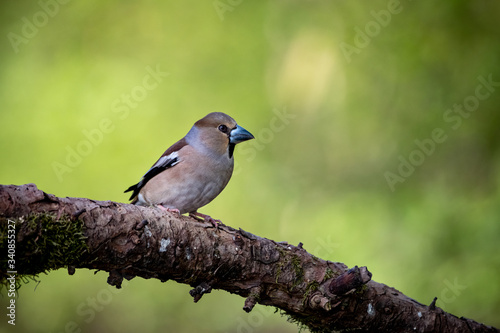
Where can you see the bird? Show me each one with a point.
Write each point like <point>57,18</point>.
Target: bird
<point>194,170</point>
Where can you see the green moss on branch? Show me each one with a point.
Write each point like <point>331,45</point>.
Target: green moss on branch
<point>43,243</point>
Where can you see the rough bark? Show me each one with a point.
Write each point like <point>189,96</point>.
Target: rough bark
<point>129,241</point>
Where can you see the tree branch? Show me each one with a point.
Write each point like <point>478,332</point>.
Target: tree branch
<point>129,241</point>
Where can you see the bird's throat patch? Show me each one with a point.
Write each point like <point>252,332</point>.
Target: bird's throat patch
<point>230,149</point>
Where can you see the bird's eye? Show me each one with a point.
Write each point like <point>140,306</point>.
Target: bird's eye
<point>223,128</point>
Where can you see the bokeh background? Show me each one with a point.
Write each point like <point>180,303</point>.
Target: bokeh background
<point>338,95</point>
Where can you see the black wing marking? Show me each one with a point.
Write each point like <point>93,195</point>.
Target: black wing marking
<point>162,164</point>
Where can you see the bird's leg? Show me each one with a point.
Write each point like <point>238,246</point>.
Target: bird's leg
<point>206,218</point>
<point>171,210</point>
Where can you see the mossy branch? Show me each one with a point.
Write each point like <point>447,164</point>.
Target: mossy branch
<point>129,241</point>
<point>45,242</point>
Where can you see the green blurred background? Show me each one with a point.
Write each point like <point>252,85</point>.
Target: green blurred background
<point>333,109</point>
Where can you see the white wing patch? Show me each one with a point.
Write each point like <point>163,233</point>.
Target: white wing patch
<point>165,161</point>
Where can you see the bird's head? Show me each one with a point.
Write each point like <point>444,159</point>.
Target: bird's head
<point>217,132</point>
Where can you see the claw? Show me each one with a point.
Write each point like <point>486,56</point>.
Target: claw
<point>171,210</point>
<point>206,218</point>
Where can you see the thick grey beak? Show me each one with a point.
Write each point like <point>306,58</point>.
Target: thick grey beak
<point>239,134</point>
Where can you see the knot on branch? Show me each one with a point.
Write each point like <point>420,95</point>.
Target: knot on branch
<point>319,301</point>
<point>200,290</point>
<point>352,279</point>
<point>432,306</point>
<point>115,278</point>
<point>141,225</point>
<point>252,299</point>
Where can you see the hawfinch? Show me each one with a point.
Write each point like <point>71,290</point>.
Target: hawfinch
<point>194,170</point>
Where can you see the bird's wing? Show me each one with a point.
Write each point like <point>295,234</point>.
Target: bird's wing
<point>169,158</point>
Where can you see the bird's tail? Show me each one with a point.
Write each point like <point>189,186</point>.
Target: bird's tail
<point>135,189</point>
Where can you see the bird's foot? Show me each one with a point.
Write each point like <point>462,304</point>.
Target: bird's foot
<point>170,210</point>
<point>206,218</point>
